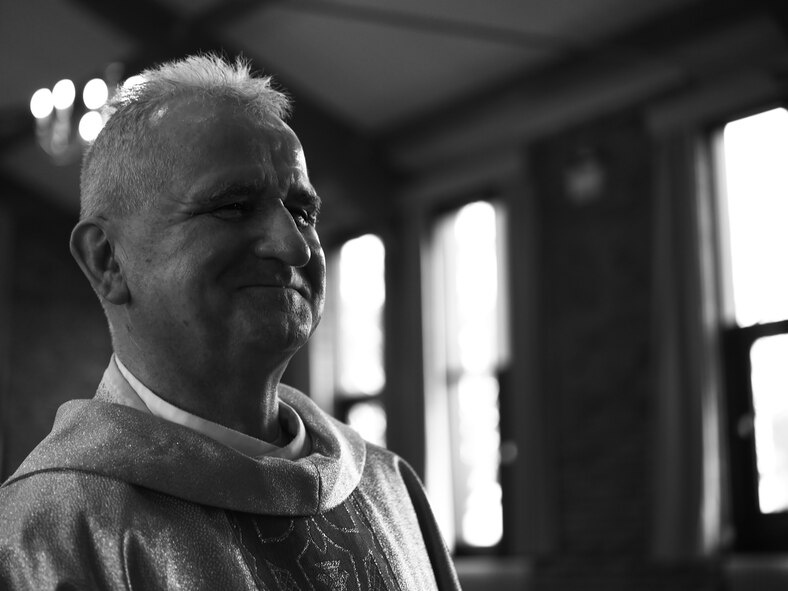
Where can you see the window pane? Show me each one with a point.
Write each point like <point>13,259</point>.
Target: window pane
<point>769,357</point>
<point>474,330</point>
<point>362,295</point>
<point>476,288</point>
<point>755,150</point>
<point>468,350</point>
<point>369,419</point>
<point>479,440</point>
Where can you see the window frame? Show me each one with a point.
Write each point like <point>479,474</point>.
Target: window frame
<point>500,372</point>
<point>752,530</point>
<point>335,400</point>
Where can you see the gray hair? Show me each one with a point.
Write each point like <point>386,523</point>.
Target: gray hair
<point>129,163</point>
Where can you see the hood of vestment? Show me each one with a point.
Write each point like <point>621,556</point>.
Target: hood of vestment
<point>110,440</point>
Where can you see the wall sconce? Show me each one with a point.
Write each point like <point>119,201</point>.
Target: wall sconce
<point>584,177</point>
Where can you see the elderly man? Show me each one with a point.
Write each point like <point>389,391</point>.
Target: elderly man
<point>193,467</point>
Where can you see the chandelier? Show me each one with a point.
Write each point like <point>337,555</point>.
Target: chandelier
<point>65,122</point>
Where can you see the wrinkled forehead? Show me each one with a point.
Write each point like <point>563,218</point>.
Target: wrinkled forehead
<point>191,121</point>
<point>220,142</point>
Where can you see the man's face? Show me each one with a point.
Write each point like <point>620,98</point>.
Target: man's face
<point>227,259</point>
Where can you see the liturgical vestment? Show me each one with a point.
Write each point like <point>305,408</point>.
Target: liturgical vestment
<point>115,498</point>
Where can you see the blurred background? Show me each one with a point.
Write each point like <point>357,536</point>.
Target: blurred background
<point>556,240</point>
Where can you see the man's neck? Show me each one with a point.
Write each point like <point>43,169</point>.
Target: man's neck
<point>126,389</point>
<point>246,401</point>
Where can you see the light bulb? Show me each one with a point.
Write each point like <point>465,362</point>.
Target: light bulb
<point>63,94</point>
<point>41,103</point>
<point>90,125</point>
<point>95,93</point>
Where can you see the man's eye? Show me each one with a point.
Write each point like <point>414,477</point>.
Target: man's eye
<point>303,217</point>
<point>232,211</point>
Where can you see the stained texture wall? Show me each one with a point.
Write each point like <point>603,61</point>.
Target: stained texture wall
<point>596,270</point>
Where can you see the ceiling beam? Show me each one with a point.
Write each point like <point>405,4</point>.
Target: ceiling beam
<point>659,57</point>
<point>639,46</point>
<point>437,25</point>
<point>223,12</point>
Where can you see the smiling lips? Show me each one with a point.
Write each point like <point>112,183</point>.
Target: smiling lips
<point>296,284</point>
<point>283,277</point>
<point>273,286</point>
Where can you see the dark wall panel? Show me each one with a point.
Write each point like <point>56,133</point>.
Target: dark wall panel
<point>58,340</point>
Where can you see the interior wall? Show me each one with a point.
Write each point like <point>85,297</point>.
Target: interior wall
<point>58,340</point>
<point>597,363</point>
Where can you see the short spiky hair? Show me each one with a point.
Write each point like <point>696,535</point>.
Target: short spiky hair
<point>129,162</point>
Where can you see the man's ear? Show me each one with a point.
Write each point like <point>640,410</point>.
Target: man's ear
<point>94,251</point>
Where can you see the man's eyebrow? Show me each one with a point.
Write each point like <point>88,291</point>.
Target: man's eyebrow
<point>234,188</point>
<point>308,195</point>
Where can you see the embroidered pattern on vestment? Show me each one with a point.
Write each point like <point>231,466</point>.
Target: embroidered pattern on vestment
<point>333,551</point>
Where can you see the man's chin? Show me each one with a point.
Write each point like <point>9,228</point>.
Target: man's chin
<point>276,337</point>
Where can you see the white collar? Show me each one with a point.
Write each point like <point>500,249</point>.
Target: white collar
<point>245,444</point>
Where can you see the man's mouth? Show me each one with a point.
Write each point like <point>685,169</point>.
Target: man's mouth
<point>297,286</point>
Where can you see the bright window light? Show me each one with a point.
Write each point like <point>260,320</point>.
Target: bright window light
<point>476,284</point>
<point>362,295</point>
<point>769,357</point>
<point>346,353</point>
<point>755,151</point>
<point>479,440</point>
<point>756,188</point>
<point>467,350</point>
<point>369,419</point>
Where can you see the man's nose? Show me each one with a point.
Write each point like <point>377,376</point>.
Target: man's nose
<point>280,238</point>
